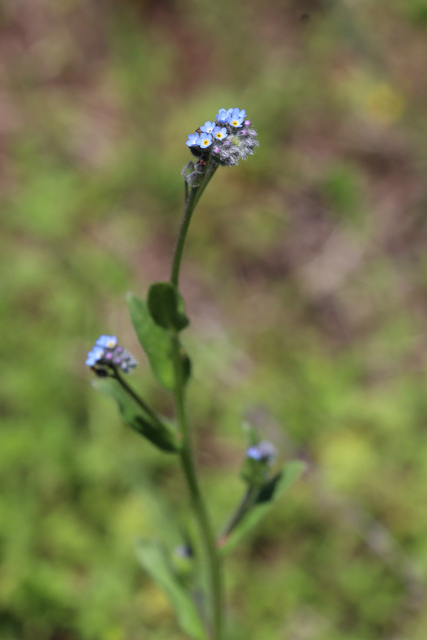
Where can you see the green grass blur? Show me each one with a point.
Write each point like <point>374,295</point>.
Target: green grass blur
<point>305,277</point>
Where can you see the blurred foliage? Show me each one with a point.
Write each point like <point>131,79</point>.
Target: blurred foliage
<point>305,279</point>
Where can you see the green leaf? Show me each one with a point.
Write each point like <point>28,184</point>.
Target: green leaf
<point>270,493</point>
<point>156,343</point>
<point>161,433</point>
<point>166,306</point>
<point>153,558</point>
<point>154,340</point>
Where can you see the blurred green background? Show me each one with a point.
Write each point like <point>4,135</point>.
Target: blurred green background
<point>305,277</point>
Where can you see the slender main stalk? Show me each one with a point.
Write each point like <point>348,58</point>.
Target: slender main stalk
<point>198,504</point>
<point>190,203</point>
<point>192,198</point>
<point>213,568</point>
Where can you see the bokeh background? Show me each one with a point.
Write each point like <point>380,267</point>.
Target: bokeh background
<point>305,277</point>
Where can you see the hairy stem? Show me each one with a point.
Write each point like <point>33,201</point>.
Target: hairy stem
<point>208,539</point>
<point>211,556</point>
<point>247,502</point>
<point>144,406</point>
<point>191,199</point>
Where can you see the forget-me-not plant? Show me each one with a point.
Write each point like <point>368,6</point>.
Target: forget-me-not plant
<point>196,594</point>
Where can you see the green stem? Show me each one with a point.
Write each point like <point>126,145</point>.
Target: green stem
<point>247,502</point>
<point>191,200</point>
<point>213,567</point>
<point>144,406</point>
<point>198,504</point>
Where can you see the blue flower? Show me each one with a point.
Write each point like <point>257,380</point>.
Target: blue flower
<point>193,139</point>
<point>235,118</point>
<point>219,133</point>
<point>231,138</point>
<point>262,452</point>
<point>222,115</point>
<point>108,355</point>
<point>208,127</point>
<point>241,113</point>
<point>95,355</point>
<point>106,342</point>
<point>205,140</point>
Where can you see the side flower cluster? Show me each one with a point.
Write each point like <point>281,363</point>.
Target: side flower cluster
<point>107,355</point>
<point>224,141</point>
<point>258,460</point>
<point>262,452</point>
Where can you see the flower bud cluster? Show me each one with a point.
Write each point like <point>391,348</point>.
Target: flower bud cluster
<point>258,460</point>
<point>225,141</point>
<point>262,452</point>
<point>108,355</point>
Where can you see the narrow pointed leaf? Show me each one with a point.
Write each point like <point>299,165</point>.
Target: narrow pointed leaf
<point>153,559</point>
<point>269,494</point>
<point>161,433</point>
<point>166,306</point>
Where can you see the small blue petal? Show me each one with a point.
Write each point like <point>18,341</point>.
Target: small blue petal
<point>263,451</point>
<point>94,356</point>
<point>222,115</point>
<point>193,139</point>
<point>253,453</point>
<point>237,113</point>
<point>235,120</point>
<point>205,140</point>
<point>219,133</point>
<point>208,127</point>
<point>107,342</point>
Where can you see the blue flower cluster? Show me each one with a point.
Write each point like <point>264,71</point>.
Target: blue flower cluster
<point>107,354</point>
<point>262,452</point>
<point>225,141</point>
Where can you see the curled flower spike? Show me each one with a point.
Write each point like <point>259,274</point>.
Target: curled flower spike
<point>262,452</point>
<point>235,140</point>
<point>107,355</point>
